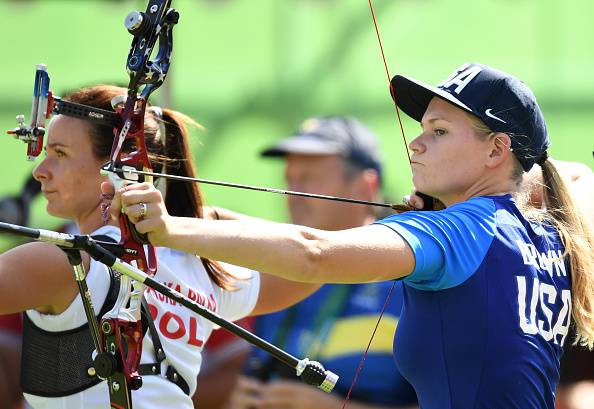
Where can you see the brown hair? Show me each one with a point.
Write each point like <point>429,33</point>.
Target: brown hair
<point>169,152</point>
<point>574,230</point>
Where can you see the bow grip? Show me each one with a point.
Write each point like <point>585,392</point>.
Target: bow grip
<point>134,242</point>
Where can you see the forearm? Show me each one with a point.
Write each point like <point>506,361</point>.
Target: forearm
<point>220,213</point>
<point>298,253</point>
<point>285,250</point>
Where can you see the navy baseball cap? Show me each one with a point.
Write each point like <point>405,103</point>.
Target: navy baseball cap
<point>342,136</point>
<point>504,103</point>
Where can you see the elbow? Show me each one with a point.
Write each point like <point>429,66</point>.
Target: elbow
<point>312,257</point>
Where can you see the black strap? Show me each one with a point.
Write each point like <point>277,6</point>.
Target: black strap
<point>147,321</point>
<point>177,379</point>
<point>148,324</point>
<point>155,368</point>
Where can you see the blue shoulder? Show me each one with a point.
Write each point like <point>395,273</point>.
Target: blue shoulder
<point>449,245</point>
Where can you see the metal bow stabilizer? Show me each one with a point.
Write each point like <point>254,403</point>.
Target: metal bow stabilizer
<point>311,372</point>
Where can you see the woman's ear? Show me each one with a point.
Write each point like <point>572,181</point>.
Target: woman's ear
<point>500,144</point>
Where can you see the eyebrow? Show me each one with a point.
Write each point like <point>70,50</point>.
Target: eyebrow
<point>434,120</point>
<point>55,144</point>
<point>438,119</point>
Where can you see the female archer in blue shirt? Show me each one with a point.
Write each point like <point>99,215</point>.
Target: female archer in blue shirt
<point>491,286</point>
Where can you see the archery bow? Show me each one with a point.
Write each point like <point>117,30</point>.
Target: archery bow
<point>119,341</point>
<point>121,328</point>
<point>118,338</point>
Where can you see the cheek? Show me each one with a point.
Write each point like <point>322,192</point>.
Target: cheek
<point>84,181</point>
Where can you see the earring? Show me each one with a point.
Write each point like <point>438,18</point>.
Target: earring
<point>105,206</point>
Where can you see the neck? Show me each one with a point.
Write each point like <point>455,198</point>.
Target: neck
<point>479,189</point>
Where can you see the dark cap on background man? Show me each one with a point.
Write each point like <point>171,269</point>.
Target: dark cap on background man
<point>342,136</point>
<point>504,103</point>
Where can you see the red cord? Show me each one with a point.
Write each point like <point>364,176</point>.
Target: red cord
<point>408,155</point>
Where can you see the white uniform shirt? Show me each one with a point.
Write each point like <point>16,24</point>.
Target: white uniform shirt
<point>182,332</point>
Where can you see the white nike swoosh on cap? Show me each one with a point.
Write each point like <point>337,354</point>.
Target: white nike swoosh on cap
<point>489,114</point>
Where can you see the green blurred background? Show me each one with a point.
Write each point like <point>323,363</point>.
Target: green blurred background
<point>251,70</point>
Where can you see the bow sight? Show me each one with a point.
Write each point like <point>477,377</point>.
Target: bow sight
<point>44,105</point>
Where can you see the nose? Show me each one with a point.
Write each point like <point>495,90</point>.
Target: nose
<point>41,173</point>
<point>417,145</point>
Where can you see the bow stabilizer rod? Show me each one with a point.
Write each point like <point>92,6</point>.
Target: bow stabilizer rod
<point>311,372</point>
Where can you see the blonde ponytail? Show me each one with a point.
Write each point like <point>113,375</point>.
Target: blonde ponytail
<point>577,236</point>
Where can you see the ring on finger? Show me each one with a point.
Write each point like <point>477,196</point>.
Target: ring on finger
<point>142,213</point>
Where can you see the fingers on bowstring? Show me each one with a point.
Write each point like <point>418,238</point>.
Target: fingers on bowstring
<point>414,200</point>
<point>140,193</point>
<point>128,186</point>
<point>116,204</point>
<point>107,188</point>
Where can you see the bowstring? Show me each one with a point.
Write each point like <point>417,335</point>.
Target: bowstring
<point>383,310</point>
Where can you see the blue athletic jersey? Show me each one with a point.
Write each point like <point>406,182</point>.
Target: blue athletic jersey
<point>486,309</point>
<point>339,342</point>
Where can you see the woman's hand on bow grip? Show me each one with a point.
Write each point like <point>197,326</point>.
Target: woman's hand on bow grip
<point>145,208</point>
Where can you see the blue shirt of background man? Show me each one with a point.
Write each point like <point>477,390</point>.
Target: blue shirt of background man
<point>340,343</point>
<point>486,309</point>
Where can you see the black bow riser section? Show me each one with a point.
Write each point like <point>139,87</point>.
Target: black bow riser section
<point>96,115</point>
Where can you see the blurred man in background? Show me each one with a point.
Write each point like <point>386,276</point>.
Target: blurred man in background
<point>332,156</point>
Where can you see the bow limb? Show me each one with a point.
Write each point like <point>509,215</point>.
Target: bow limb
<point>121,327</point>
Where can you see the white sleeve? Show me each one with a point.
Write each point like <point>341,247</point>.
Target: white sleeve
<point>240,302</point>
